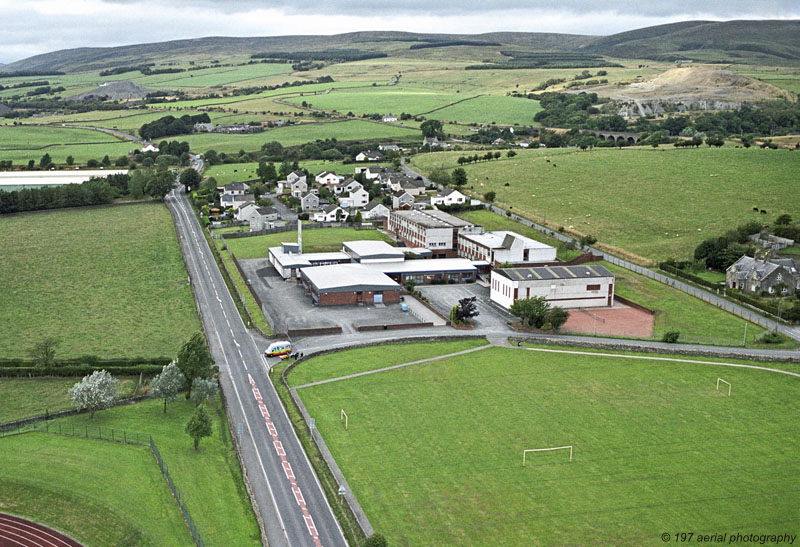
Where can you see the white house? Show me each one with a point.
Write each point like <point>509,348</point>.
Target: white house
<point>389,118</point>
<point>327,178</point>
<point>261,218</point>
<point>331,213</point>
<point>374,209</point>
<point>369,155</point>
<point>235,188</point>
<point>243,211</point>
<point>389,148</point>
<point>295,175</point>
<point>414,187</point>
<point>150,147</point>
<point>586,286</point>
<point>402,200</point>
<point>450,196</point>
<point>359,198</point>
<point>309,202</point>
<point>298,187</point>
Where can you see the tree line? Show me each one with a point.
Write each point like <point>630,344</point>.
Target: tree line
<point>168,126</point>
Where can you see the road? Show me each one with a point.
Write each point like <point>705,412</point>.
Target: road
<point>286,491</point>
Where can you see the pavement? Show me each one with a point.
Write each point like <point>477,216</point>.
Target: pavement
<point>490,315</point>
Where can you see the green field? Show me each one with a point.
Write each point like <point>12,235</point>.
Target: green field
<point>99,492</point>
<point>246,172</point>
<point>503,110</point>
<point>351,130</point>
<point>383,100</point>
<point>108,282</point>
<point>314,241</point>
<point>433,452</point>
<point>23,143</point>
<point>27,397</point>
<point>656,204</point>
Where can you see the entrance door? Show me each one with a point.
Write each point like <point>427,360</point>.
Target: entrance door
<point>377,298</point>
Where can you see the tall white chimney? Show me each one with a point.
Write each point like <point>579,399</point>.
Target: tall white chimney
<point>300,235</point>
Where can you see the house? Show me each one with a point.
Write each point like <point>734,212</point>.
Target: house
<point>203,127</point>
<point>331,213</point>
<point>235,188</point>
<point>389,118</point>
<point>374,209</point>
<point>243,211</point>
<point>402,200</point>
<point>352,185</point>
<point>412,186</point>
<point>373,172</point>
<point>450,196</point>
<point>327,178</point>
<point>504,247</point>
<point>369,155</point>
<point>226,201</point>
<point>261,218</point>
<point>150,147</point>
<point>583,286</point>
<point>296,175</point>
<point>774,276</point>
<point>356,199</point>
<point>309,202</point>
<point>238,201</point>
<point>432,142</point>
<point>298,187</point>
<point>389,148</point>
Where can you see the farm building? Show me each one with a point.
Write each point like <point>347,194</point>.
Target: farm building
<point>348,284</point>
<point>563,286</point>
<point>503,247</point>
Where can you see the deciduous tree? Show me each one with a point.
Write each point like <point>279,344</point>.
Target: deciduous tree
<point>531,310</point>
<point>204,388</point>
<point>199,425</point>
<point>167,384</point>
<point>95,392</point>
<point>195,360</point>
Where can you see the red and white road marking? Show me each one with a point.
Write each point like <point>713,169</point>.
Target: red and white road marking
<point>287,467</point>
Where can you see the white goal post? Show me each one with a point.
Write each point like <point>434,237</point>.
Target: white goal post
<point>525,452</point>
<point>343,416</point>
<point>724,382</point>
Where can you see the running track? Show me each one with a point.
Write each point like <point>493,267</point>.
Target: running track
<point>16,531</point>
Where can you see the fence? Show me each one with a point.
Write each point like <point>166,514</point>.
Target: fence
<point>177,494</point>
<point>293,227</point>
<point>85,431</point>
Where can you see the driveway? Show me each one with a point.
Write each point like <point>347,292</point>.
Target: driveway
<point>444,297</point>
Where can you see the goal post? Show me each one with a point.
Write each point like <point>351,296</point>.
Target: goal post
<point>343,416</point>
<point>525,452</point>
<point>724,382</point>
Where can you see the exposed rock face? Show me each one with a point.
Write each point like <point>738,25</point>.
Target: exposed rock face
<point>115,91</point>
<point>4,109</point>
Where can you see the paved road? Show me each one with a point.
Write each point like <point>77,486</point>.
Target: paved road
<point>287,493</point>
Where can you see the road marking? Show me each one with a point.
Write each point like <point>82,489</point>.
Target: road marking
<point>279,448</point>
<point>287,468</point>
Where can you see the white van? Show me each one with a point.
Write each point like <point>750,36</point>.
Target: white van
<point>281,347</point>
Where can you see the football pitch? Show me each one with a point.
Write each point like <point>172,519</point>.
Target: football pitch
<point>434,451</point>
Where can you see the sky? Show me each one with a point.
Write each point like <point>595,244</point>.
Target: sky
<point>31,27</point>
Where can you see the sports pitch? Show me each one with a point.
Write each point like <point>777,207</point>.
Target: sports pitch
<point>434,451</point>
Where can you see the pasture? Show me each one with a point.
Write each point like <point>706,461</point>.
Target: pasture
<point>383,100</point>
<point>488,110</point>
<point>107,281</point>
<point>656,203</point>
<point>23,143</point>
<point>433,452</point>
<point>314,241</point>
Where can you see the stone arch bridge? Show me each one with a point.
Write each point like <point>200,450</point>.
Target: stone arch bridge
<point>617,137</point>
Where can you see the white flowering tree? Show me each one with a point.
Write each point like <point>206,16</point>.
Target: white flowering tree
<point>167,384</point>
<point>96,391</point>
<point>204,388</point>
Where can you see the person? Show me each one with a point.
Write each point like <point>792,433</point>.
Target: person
<point>519,344</point>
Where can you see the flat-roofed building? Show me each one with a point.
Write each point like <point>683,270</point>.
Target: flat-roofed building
<point>423,272</point>
<point>348,284</point>
<point>432,229</point>
<point>287,259</point>
<point>583,286</point>
<point>504,247</point>
<point>366,251</point>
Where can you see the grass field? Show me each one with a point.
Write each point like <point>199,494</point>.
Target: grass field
<point>351,130</point>
<point>314,241</point>
<point>108,282</point>
<point>210,479</point>
<point>504,110</point>
<point>433,452</point>
<point>23,143</point>
<point>100,492</point>
<point>247,171</point>
<point>27,397</point>
<point>655,203</point>
<point>248,301</point>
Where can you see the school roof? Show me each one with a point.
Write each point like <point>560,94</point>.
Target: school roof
<point>294,260</point>
<point>347,278</point>
<point>502,239</point>
<point>589,271</point>
<point>428,266</point>
<point>372,249</point>
<point>433,218</point>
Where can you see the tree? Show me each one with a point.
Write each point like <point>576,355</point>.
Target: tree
<point>266,172</point>
<point>158,183</point>
<point>511,154</point>
<point>70,160</point>
<point>432,128</point>
<point>106,161</point>
<point>44,352</point>
<point>557,317</point>
<point>95,392</point>
<point>167,384</point>
<point>459,176</point>
<point>199,425</point>
<point>358,218</point>
<point>190,177</point>
<point>533,310</point>
<point>466,309</point>
<point>783,219</point>
<point>489,196</point>
<point>46,161</point>
<point>195,360</point>
<point>204,388</point>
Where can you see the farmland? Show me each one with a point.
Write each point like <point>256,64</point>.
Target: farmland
<point>108,282</point>
<point>246,172</point>
<point>655,203</point>
<point>21,144</point>
<point>656,448</point>
<point>314,241</point>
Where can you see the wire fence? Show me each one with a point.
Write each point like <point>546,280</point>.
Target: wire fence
<point>176,494</point>
<point>85,431</point>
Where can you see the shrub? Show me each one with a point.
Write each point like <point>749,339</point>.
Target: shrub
<point>671,336</point>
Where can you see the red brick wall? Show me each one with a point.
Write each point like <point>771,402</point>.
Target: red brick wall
<point>351,298</point>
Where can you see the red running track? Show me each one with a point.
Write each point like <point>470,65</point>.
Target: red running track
<point>16,532</point>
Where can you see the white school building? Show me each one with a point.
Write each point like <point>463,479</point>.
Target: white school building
<point>584,286</point>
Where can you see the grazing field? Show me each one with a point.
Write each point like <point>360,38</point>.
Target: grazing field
<point>26,397</point>
<point>210,479</point>
<point>657,203</point>
<point>433,452</point>
<point>351,130</point>
<point>314,241</point>
<point>108,282</point>
<point>504,110</point>
<point>99,492</point>
<point>23,143</point>
<point>382,100</point>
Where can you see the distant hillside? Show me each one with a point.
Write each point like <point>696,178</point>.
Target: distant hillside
<point>4,109</point>
<point>757,42</point>
<point>115,91</point>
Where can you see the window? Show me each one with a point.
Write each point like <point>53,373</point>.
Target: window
<point>592,287</point>
<point>780,277</point>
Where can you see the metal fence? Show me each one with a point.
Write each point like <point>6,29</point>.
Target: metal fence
<point>85,431</point>
<point>177,495</point>
<point>293,227</point>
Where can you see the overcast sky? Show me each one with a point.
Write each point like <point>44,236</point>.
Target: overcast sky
<point>30,27</point>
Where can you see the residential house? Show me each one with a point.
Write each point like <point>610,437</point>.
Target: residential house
<point>309,202</point>
<point>375,209</point>
<point>369,155</point>
<point>402,200</point>
<point>358,198</point>
<point>373,172</point>
<point>261,218</point>
<point>235,188</point>
<point>203,127</point>
<point>389,148</point>
<point>449,196</point>
<point>299,187</point>
<point>238,201</point>
<point>389,118</point>
<point>331,213</point>
<point>774,276</point>
<point>243,211</point>
<point>150,147</point>
<point>295,175</point>
<point>327,178</point>
<point>433,142</point>
<point>412,186</point>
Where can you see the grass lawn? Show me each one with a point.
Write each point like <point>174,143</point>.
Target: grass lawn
<point>314,241</point>
<point>108,282</point>
<point>657,203</point>
<point>26,397</point>
<point>249,302</point>
<point>434,452</point>
<point>210,478</point>
<point>100,492</point>
<point>363,359</point>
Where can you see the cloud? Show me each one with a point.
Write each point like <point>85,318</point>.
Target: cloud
<point>40,26</point>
